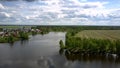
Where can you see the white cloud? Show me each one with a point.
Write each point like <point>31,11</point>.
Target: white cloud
<point>61,15</point>
<point>83,0</point>
<point>2,7</point>
<point>4,14</point>
<point>68,12</point>
<point>53,6</point>
<point>90,4</point>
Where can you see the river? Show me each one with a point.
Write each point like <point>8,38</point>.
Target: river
<point>42,51</point>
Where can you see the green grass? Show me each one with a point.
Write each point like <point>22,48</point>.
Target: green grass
<point>100,34</point>
<point>93,42</point>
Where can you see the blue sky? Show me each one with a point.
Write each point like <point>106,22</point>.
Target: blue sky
<point>60,12</point>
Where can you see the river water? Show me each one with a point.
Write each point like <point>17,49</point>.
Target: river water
<point>42,51</point>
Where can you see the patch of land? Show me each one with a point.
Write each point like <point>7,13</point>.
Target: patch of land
<point>99,34</point>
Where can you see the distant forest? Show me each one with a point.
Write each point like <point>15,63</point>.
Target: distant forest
<point>67,28</point>
<point>64,28</point>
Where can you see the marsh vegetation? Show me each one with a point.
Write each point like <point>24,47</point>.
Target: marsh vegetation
<point>93,42</point>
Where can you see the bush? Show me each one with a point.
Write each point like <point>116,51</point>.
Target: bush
<point>23,35</point>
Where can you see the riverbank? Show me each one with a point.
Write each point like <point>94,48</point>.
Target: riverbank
<point>93,42</point>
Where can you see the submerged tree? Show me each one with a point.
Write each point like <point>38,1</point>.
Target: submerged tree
<point>61,44</point>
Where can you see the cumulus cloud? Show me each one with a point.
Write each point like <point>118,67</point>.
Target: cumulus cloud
<point>57,12</point>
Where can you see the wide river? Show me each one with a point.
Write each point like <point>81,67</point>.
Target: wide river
<point>42,51</point>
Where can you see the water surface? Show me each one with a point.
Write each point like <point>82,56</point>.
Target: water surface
<point>42,51</point>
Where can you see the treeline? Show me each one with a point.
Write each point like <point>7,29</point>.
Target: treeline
<point>76,28</point>
<point>47,29</point>
<point>58,28</point>
<point>66,28</point>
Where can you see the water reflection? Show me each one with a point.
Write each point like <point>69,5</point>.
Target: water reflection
<point>61,51</point>
<point>23,42</point>
<point>45,62</point>
<point>11,45</point>
<point>89,58</point>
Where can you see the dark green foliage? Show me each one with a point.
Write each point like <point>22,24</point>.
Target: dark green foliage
<point>75,28</point>
<point>61,44</point>
<point>61,51</point>
<point>23,35</point>
<point>3,39</point>
<point>10,39</point>
<point>43,32</point>
<point>34,33</point>
<point>1,29</point>
<point>58,28</point>
<point>118,47</point>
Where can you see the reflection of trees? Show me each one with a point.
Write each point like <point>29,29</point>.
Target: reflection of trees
<point>23,42</point>
<point>11,45</point>
<point>88,57</point>
<point>61,51</point>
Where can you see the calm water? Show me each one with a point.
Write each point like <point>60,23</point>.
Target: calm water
<point>42,51</point>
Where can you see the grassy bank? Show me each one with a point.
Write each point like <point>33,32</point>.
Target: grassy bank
<point>93,42</point>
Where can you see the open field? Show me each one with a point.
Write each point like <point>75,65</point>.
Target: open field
<point>99,34</point>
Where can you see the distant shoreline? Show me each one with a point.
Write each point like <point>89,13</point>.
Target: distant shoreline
<point>56,25</point>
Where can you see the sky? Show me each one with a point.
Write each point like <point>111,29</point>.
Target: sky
<point>60,12</point>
